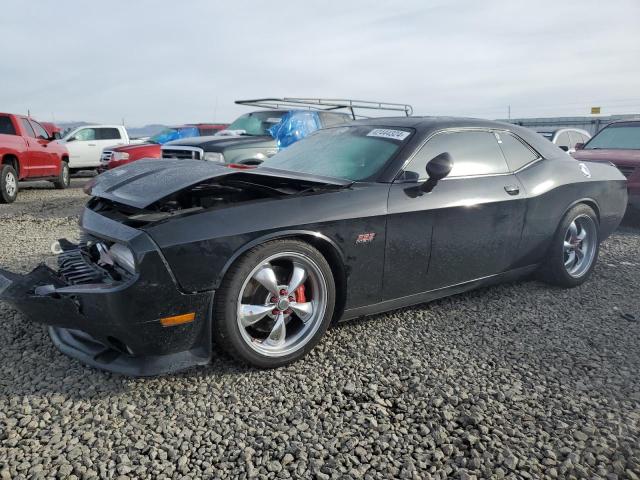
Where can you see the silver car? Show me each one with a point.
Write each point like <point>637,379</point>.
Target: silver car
<point>566,138</point>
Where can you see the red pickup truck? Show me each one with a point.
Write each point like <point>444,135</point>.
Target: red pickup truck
<point>28,152</point>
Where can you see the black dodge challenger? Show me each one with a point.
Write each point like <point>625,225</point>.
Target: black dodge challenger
<point>178,257</point>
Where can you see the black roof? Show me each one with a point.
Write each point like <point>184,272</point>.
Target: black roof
<point>425,126</point>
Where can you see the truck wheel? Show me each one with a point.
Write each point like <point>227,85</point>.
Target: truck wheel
<point>64,179</point>
<point>274,304</point>
<point>8,184</point>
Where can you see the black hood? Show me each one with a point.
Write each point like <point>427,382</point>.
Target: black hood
<point>142,183</point>
<point>219,143</point>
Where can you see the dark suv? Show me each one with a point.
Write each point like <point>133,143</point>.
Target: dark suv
<point>255,136</point>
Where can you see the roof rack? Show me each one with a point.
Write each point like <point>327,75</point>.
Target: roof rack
<point>327,105</point>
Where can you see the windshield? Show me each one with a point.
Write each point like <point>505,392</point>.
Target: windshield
<point>169,134</point>
<point>257,123</point>
<point>353,153</point>
<point>616,137</point>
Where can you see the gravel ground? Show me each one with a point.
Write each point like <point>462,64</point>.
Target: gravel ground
<point>515,381</point>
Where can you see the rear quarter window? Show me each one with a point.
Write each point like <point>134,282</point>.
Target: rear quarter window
<point>516,153</point>
<point>6,126</point>
<point>108,134</point>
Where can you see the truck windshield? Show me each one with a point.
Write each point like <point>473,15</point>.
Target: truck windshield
<point>353,153</point>
<point>169,134</point>
<point>257,123</point>
<point>616,137</point>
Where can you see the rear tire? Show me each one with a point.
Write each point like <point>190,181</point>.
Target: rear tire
<point>277,324</point>
<point>8,184</point>
<point>574,249</point>
<point>64,179</point>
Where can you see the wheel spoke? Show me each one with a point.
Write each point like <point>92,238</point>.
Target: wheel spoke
<point>298,276</point>
<point>278,333</point>
<point>579,254</point>
<point>303,310</point>
<point>267,278</point>
<point>573,230</point>
<point>571,259</point>
<point>583,233</point>
<point>251,314</point>
<point>567,246</point>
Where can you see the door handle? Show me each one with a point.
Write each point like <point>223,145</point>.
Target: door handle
<point>512,189</point>
<point>91,144</point>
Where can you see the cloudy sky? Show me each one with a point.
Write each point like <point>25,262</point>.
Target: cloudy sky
<point>170,62</point>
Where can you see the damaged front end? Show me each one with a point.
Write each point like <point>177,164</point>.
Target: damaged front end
<point>107,301</point>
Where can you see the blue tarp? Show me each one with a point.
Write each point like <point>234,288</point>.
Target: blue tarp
<point>170,134</point>
<point>294,126</point>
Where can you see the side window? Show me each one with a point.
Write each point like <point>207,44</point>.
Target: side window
<point>85,135</point>
<point>40,131</point>
<point>28,129</point>
<point>107,134</point>
<point>333,119</point>
<point>563,140</point>
<point>473,153</point>
<point>516,153</point>
<point>6,126</point>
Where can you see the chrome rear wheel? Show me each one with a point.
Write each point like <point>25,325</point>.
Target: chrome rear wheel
<point>580,244</point>
<point>11,184</point>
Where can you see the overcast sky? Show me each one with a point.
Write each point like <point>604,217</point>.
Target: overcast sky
<point>171,62</point>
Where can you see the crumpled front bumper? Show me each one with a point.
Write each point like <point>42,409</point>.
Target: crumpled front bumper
<point>116,326</point>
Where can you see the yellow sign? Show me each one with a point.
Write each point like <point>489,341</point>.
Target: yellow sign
<point>595,110</point>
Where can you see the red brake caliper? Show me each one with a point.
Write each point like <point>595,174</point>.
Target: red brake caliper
<point>300,296</point>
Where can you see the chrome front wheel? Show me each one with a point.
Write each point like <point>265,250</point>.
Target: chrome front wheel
<point>282,304</point>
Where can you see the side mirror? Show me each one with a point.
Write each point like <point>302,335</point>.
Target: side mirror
<point>579,146</point>
<point>437,168</point>
<point>71,139</point>
<point>563,147</point>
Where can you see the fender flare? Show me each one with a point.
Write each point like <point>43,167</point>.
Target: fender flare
<point>282,234</point>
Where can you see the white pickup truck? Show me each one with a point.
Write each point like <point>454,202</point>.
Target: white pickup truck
<point>85,144</point>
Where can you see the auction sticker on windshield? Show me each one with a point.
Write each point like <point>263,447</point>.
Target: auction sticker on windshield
<point>388,133</point>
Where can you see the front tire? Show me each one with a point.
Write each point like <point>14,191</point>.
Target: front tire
<point>64,179</point>
<point>274,304</point>
<point>8,184</point>
<point>574,249</point>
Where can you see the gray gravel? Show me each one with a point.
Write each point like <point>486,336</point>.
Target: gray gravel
<point>516,381</point>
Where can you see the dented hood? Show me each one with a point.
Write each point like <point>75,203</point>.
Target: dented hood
<point>142,183</point>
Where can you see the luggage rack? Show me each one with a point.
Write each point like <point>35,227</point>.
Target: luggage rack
<point>325,104</point>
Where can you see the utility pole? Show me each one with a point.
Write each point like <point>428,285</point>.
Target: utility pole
<point>509,112</point>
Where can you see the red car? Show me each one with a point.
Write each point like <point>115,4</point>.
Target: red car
<point>52,129</point>
<point>618,143</point>
<point>29,152</point>
<point>117,156</point>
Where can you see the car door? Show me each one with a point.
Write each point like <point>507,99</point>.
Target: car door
<point>468,227</point>
<point>82,148</point>
<point>50,160</point>
<point>37,155</point>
